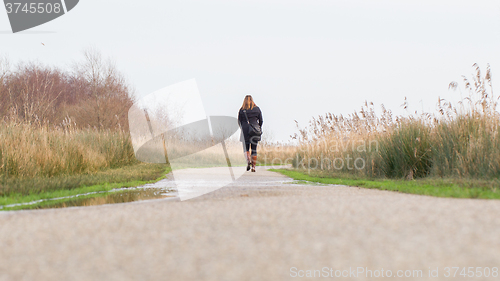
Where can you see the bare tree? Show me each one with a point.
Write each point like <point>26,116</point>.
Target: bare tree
<point>95,94</point>
<point>31,92</point>
<point>108,95</point>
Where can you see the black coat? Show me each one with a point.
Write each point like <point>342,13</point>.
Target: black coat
<point>254,116</point>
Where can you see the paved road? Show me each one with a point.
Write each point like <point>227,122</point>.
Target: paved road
<point>262,228</point>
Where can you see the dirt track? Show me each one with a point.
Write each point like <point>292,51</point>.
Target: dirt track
<point>258,229</point>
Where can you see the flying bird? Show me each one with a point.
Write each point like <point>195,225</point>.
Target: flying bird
<point>43,44</point>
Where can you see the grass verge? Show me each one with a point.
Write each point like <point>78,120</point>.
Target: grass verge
<point>13,191</point>
<point>438,187</point>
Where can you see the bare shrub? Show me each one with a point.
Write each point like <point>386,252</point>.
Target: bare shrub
<point>95,94</point>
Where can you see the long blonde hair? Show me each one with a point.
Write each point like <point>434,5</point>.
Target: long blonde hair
<point>248,103</point>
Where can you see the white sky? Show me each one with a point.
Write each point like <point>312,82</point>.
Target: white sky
<point>297,58</point>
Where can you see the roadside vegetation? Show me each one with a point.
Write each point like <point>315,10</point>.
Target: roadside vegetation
<point>453,152</point>
<point>24,190</point>
<point>66,130</point>
<point>431,186</point>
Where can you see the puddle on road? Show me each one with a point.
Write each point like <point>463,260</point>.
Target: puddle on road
<point>163,189</point>
<point>120,195</point>
<point>304,182</point>
<point>114,197</point>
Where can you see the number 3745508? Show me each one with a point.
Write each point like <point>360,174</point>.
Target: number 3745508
<point>470,272</point>
<point>33,8</point>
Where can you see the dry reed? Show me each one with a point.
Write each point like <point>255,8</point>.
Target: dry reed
<point>458,140</point>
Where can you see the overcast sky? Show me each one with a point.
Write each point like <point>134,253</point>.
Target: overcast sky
<point>297,58</point>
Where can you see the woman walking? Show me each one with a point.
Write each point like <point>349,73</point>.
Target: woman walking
<point>250,121</point>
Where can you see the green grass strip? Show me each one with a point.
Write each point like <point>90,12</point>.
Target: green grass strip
<point>120,178</point>
<point>431,187</point>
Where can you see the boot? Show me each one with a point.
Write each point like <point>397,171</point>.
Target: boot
<point>254,160</point>
<point>249,161</point>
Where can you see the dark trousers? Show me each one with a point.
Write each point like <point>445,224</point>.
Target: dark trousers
<point>252,145</point>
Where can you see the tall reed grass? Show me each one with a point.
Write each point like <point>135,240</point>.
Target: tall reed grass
<point>458,140</point>
<point>28,150</point>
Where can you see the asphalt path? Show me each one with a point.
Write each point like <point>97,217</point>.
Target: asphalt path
<point>262,227</point>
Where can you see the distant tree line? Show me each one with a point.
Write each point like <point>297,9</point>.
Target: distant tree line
<point>92,93</point>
